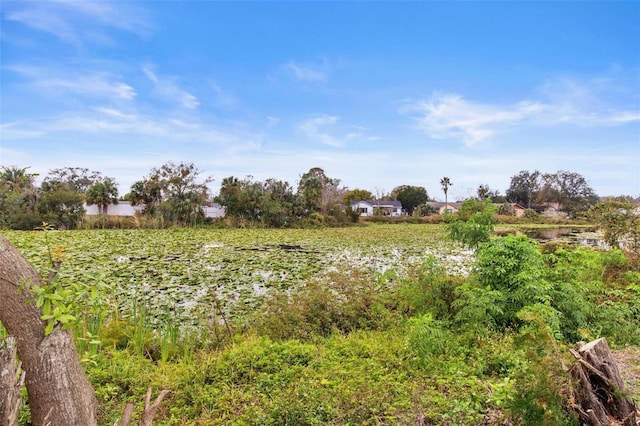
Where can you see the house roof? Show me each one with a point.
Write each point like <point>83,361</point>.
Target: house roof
<point>440,204</point>
<point>543,207</point>
<point>379,203</point>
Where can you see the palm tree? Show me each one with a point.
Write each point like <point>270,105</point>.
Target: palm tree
<point>102,194</point>
<point>445,182</point>
<point>17,179</point>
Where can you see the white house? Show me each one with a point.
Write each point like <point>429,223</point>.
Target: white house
<point>442,208</point>
<point>382,207</point>
<point>214,211</point>
<point>123,208</point>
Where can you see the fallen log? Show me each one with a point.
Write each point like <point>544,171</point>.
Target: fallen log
<point>598,396</point>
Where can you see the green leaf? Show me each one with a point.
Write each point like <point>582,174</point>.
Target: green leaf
<point>66,318</point>
<point>49,328</point>
<point>53,296</point>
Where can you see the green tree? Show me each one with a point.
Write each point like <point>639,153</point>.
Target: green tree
<point>145,193</point>
<point>184,209</point>
<point>445,183</point>
<point>280,203</point>
<point>510,286</point>
<point>176,180</point>
<point>473,223</point>
<point>484,192</point>
<point>77,179</point>
<point>319,192</point>
<point>270,203</point>
<point>16,179</point>
<point>424,210</point>
<point>357,195</point>
<point>62,194</point>
<point>174,191</point>
<point>230,196</point>
<point>524,187</point>
<point>102,194</point>
<point>18,199</point>
<point>508,275</point>
<point>60,205</point>
<point>619,221</point>
<point>570,190</point>
<point>410,196</point>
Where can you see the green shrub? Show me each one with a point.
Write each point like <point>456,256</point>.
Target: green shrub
<point>427,337</point>
<point>510,280</point>
<point>473,224</point>
<point>428,288</point>
<point>341,302</point>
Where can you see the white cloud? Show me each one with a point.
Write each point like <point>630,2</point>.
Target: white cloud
<point>105,122</point>
<point>329,130</point>
<point>42,20</point>
<point>451,116</point>
<point>315,128</point>
<point>272,121</point>
<point>623,117</point>
<point>96,84</point>
<point>82,83</point>
<point>222,98</point>
<point>306,73</point>
<point>18,131</point>
<point>79,22</point>
<point>168,88</point>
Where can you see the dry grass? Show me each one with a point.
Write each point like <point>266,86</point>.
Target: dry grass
<point>628,360</point>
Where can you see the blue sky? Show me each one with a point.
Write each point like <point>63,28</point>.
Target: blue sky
<point>378,94</point>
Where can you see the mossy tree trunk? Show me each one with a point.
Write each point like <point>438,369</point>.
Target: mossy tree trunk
<point>58,389</point>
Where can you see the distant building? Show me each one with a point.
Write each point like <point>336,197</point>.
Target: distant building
<point>550,210</point>
<point>518,210</point>
<point>214,211</point>
<point>442,208</point>
<point>377,207</point>
<point>123,208</point>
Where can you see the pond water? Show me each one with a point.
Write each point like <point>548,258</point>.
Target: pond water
<point>583,236</point>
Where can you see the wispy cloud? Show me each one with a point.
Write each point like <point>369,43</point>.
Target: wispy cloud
<point>608,100</point>
<point>95,84</point>
<point>451,116</point>
<point>106,122</point>
<point>306,73</point>
<point>79,22</point>
<point>98,84</point>
<point>14,131</point>
<point>168,88</point>
<point>328,130</point>
<point>272,121</point>
<point>316,128</point>
<point>42,20</point>
<point>222,98</point>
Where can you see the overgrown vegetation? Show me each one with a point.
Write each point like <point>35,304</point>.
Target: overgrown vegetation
<point>383,324</point>
<point>174,195</point>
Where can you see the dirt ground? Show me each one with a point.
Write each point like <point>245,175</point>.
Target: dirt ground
<point>628,361</point>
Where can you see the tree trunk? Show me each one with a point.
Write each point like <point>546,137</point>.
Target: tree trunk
<point>599,390</point>
<point>59,392</point>
<point>11,382</point>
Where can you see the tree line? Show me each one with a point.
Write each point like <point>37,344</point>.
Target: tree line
<point>174,194</point>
